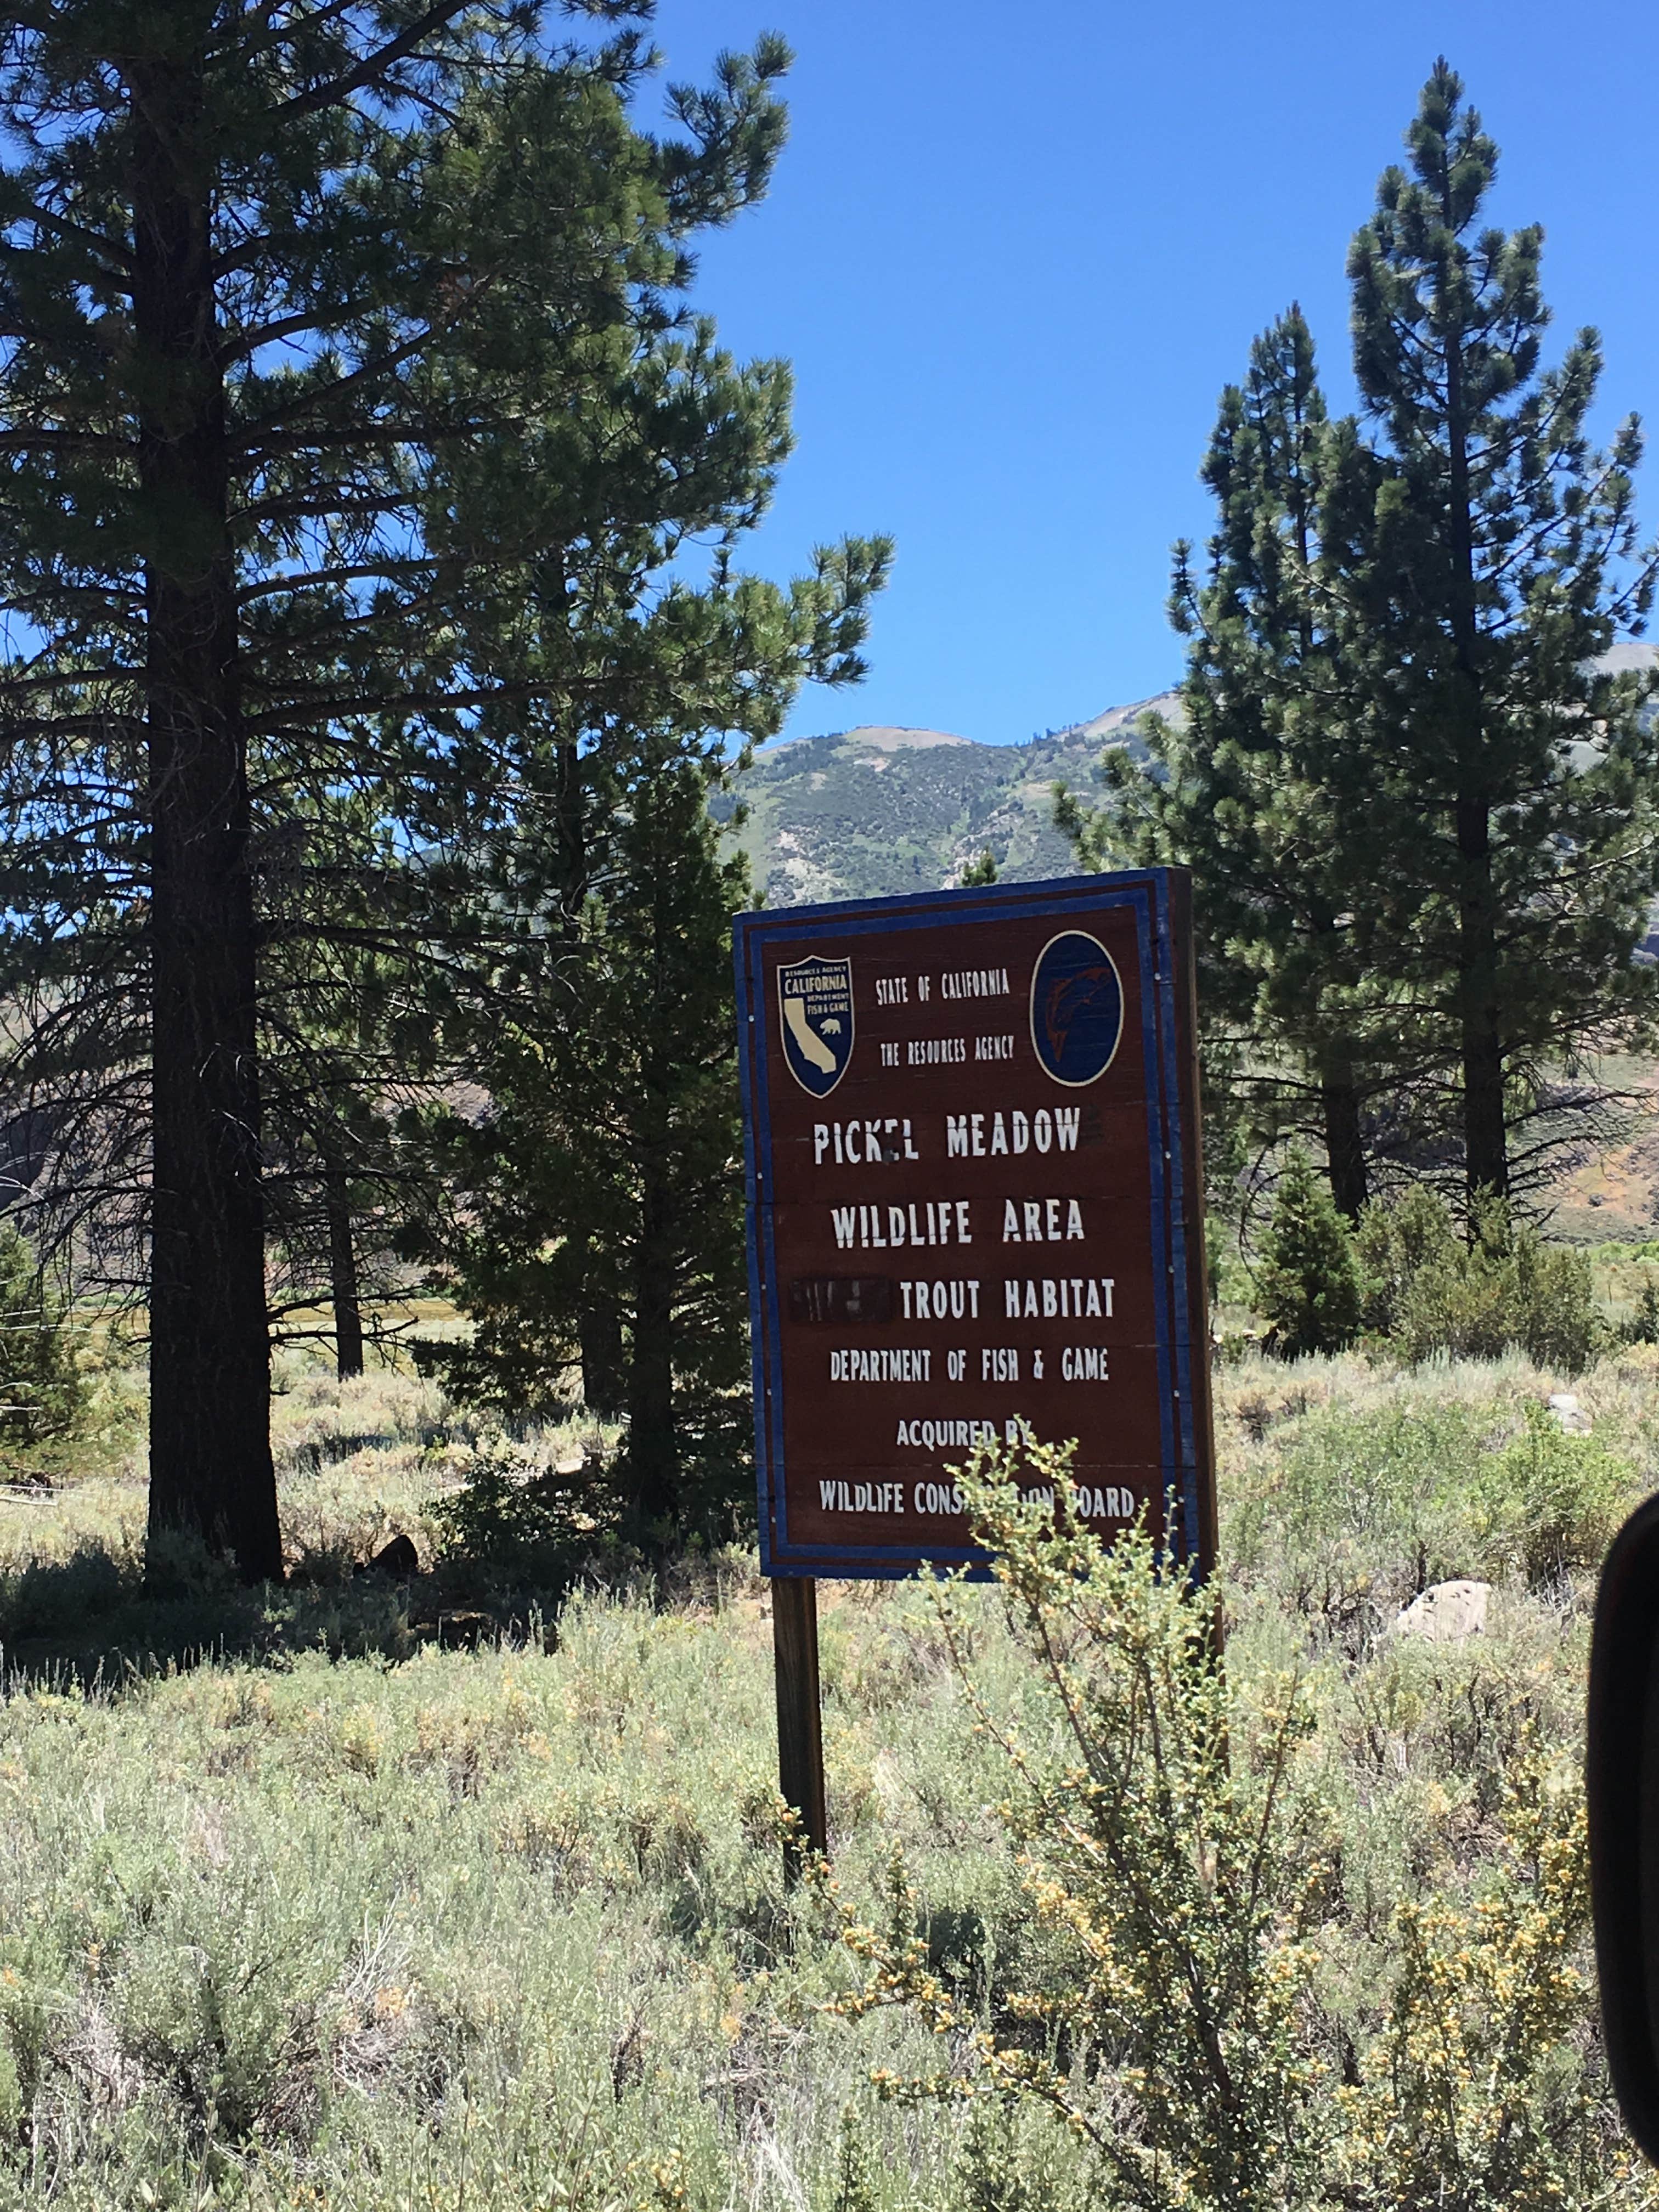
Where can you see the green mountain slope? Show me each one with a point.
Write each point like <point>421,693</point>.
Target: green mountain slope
<point>874,811</point>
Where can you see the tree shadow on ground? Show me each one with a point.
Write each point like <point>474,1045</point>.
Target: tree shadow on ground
<point>103,1617</point>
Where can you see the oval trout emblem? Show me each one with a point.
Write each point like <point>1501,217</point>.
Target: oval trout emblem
<point>1077,1008</point>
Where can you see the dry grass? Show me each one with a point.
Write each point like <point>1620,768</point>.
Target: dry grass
<point>504,1926</point>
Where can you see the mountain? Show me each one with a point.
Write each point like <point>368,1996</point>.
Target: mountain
<point>875,810</point>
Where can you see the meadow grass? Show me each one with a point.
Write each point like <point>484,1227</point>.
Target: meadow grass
<point>337,1916</point>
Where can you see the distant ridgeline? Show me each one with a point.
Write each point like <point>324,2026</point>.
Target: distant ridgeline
<point>873,810</point>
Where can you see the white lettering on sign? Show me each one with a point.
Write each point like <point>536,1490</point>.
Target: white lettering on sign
<point>863,1144</point>
<point>1095,1501</point>
<point>861,1497</point>
<point>936,1052</point>
<point>954,1435</point>
<point>982,1136</point>
<point>936,1498</point>
<point>974,983</point>
<point>1083,1362</point>
<point>1037,1221</point>
<point>1111,1503</point>
<point>890,1364</point>
<point>882,1228</point>
<point>994,1047</point>
<point>956,1299</point>
<point>1068,1297</point>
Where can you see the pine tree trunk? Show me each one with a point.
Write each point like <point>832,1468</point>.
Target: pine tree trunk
<point>210,1444</point>
<point>1345,1143</point>
<point>603,1386</point>
<point>652,1445</point>
<point>1486,1138</point>
<point>570,820</point>
<point>343,1276</point>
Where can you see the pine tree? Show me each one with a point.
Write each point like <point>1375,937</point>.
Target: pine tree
<point>603,1257</point>
<point>1310,1288</point>
<point>1485,571</point>
<point>1418,808</point>
<point>273,284</point>
<point>585,906</point>
<point>1251,787</point>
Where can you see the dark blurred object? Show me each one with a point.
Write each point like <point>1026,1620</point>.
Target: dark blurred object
<point>26,1142</point>
<point>398,1560</point>
<point>1622,1782</point>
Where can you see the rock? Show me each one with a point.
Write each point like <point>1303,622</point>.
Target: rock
<point>1569,1414</point>
<point>398,1560</point>
<point>1446,1613</point>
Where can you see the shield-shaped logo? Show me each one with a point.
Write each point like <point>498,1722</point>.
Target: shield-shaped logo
<point>814,1003</point>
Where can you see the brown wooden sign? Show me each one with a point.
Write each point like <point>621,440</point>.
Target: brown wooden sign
<point>976,1210</point>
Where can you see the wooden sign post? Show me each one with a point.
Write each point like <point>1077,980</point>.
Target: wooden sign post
<point>976,1213</point>
<point>800,1725</point>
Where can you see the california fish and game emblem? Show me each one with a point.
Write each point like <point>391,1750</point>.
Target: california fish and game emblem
<point>815,1005</point>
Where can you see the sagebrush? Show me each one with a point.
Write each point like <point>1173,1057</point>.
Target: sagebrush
<point>506,1925</point>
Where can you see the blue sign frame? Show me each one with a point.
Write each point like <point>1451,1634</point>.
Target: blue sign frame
<point>1147,894</point>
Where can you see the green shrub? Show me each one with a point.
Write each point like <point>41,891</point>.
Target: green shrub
<point>1231,2017</point>
<point>524,1526</point>
<point>1548,1505</point>
<point>1309,1288</point>
<point>1430,1291</point>
<point>42,1395</point>
<point>1399,1243</point>
<point>53,1597</point>
<point>1177,1863</point>
<point>1642,1326</point>
<point>1475,2092</point>
<point>1353,1512</point>
<point>857,2187</point>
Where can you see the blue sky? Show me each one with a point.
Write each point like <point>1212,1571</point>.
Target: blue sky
<point>1015,252</point>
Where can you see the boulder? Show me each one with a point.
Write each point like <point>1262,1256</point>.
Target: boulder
<point>1446,1613</point>
<point>1568,1413</point>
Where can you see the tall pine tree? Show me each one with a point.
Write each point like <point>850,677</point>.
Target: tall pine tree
<point>601,1255</point>
<point>1249,785</point>
<point>599,1238</point>
<point>1418,805</point>
<point>1486,575</point>
<point>264,275</point>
